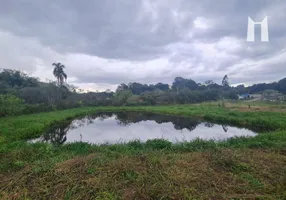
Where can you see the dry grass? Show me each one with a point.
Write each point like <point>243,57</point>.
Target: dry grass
<point>257,109</point>
<point>218,174</point>
<point>250,107</point>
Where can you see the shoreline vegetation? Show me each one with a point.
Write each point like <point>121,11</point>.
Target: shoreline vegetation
<point>238,168</point>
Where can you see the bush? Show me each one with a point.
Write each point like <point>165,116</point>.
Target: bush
<point>36,108</point>
<point>134,100</point>
<point>10,105</point>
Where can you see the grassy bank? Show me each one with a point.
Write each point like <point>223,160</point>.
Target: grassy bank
<point>30,126</point>
<point>239,168</point>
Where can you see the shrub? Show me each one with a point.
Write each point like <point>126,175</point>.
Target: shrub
<point>134,100</point>
<point>36,108</point>
<point>10,105</point>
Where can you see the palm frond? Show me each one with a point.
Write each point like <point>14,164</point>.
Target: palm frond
<point>64,75</point>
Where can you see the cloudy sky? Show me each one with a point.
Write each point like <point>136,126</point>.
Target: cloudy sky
<point>107,42</point>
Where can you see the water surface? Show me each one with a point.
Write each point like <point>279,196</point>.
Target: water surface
<point>121,127</point>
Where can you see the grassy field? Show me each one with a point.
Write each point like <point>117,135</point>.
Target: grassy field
<point>239,168</point>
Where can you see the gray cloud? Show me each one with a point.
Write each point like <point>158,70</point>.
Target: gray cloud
<point>110,29</point>
<point>104,43</point>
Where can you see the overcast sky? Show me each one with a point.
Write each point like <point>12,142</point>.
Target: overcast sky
<point>104,43</point>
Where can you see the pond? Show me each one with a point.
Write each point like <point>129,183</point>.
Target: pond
<point>122,127</point>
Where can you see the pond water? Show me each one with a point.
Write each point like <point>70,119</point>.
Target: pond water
<point>123,127</point>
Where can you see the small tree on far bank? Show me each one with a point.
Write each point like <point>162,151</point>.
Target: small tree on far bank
<point>225,81</point>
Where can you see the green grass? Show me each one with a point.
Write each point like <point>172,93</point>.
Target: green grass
<point>31,126</point>
<point>237,168</point>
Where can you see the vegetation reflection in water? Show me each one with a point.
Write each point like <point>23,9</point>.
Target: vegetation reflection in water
<point>119,127</point>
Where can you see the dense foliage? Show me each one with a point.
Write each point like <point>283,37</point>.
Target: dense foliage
<point>10,105</point>
<point>42,96</point>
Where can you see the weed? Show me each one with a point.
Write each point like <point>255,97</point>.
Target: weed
<point>129,175</point>
<point>19,164</point>
<point>158,144</point>
<point>253,181</point>
<point>136,144</point>
<point>92,170</point>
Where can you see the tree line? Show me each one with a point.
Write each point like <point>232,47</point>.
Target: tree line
<point>21,93</point>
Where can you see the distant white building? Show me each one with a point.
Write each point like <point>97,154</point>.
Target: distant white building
<point>244,96</point>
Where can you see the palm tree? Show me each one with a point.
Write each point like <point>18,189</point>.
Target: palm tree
<point>60,75</point>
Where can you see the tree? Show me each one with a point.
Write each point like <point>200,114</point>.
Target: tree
<point>209,82</point>
<point>225,81</point>
<point>138,88</point>
<point>60,75</point>
<point>120,98</point>
<point>134,100</point>
<point>182,83</point>
<point>17,79</point>
<point>148,98</point>
<point>282,85</point>
<point>121,87</point>
<point>162,86</point>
